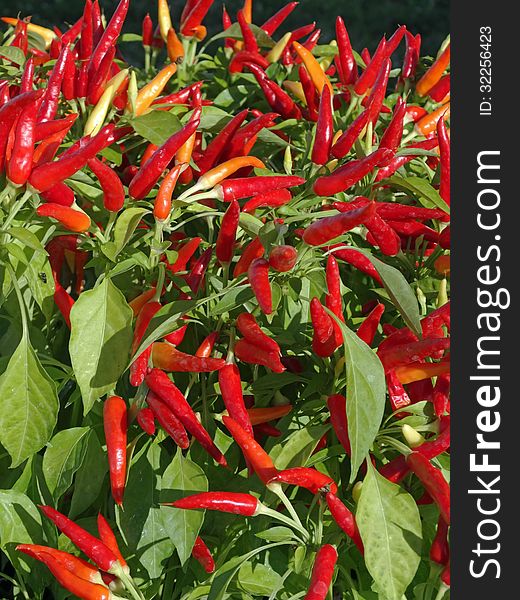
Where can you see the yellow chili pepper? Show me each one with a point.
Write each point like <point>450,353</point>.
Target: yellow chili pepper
<point>174,47</point>
<point>296,88</point>
<point>418,372</point>
<point>412,437</point>
<point>151,90</point>
<point>434,73</point>
<point>277,50</point>
<point>47,34</point>
<point>165,19</point>
<point>313,67</point>
<point>100,111</point>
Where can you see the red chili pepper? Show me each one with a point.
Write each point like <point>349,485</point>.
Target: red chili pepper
<point>243,140</point>
<point>324,129</point>
<point>441,89</point>
<point>270,199</point>
<point>306,477</point>
<point>333,299</point>
<point>411,56</point>
<point>323,230</point>
<point>252,354</point>
<point>196,275</point>
<point>20,163</point>
<point>80,587</point>
<point>95,549</point>
<point>248,36</point>
<point>113,192</point>
<point>47,175</point>
<point>367,330</point>
<point>403,354</point>
<point>444,148</point>
<point>97,83</point>
<point>323,340</point>
<point>258,275</point>
<point>433,480</point>
<point>283,258</point>
<point>26,83</point>
<point>230,502</point>
<point>202,553</point>
<point>254,250</point>
<point>115,426</point>
<point>152,169</point>
<point>437,318</point>
<point>377,94</point>
<point>206,347</point>
<point>345,177</point>
<point>109,539</point>
<point>345,519</point>
<point>441,394</point>
<point>368,77</point>
<point>357,259</point>
<point>274,22</point>
<point>310,93</point>
<point>231,391</point>
<point>256,456</point>
<point>440,549</point>
<point>140,365</point>
<point>49,105</point>
<point>108,37</point>
<point>322,572</point>
<point>146,420</point>
<point>176,337</point>
<point>249,328</point>
<point>168,358</point>
<point>347,139</point>
<point>394,132</point>
<point>167,420</point>
<point>159,383</point>
<point>227,233</point>
<point>414,230</point>
<point>338,418</point>
<point>345,57</point>
<point>396,392</point>
<point>218,144</point>
<point>147,31</point>
<point>184,253</point>
<point>79,567</point>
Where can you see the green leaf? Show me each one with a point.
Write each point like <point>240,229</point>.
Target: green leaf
<point>63,457</point>
<point>124,228</point>
<point>421,188</point>
<point>20,523</point>
<point>156,126</point>
<point>28,238</point>
<point>101,335</point>
<point>38,275</point>
<point>259,580</point>
<point>141,521</point>
<point>181,478</point>
<point>29,404</point>
<point>399,292</point>
<point>12,53</point>
<point>366,395</point>
<point>390,527</point>
<point>228,570</point>
<point>297,448</point>
<point>235,33</point>
<point>276,534</point>
<point>89,480</point>
<point>236,296</point>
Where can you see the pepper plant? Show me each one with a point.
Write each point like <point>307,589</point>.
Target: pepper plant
<point>224,287</point>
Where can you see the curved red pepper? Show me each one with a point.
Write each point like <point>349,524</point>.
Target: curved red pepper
<point>345,519</point>
<point>258,274</point>
<point>322,572</point>
<point>115,426</point>
<point>306,477</point>
<point>167,420</point>
<point>230,502</point>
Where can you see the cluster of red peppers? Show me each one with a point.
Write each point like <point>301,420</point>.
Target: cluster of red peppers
<point>80,90</point>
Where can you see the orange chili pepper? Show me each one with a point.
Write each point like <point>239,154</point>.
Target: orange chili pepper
<point>442,264</point>
<point>174,47</point>
<point>313,67</point>
<point>151,90</point>
<point>434,73</point>
<point>137,303</point>
<point>420,371</point>
<point>264,415</point>
<point>428,123</point>
<point>163,200</point>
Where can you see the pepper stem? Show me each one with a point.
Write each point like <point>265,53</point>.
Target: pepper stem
<point>128,583</point>
<point>442,590</point>
<point>269,512</point>
<point>277,489</point>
